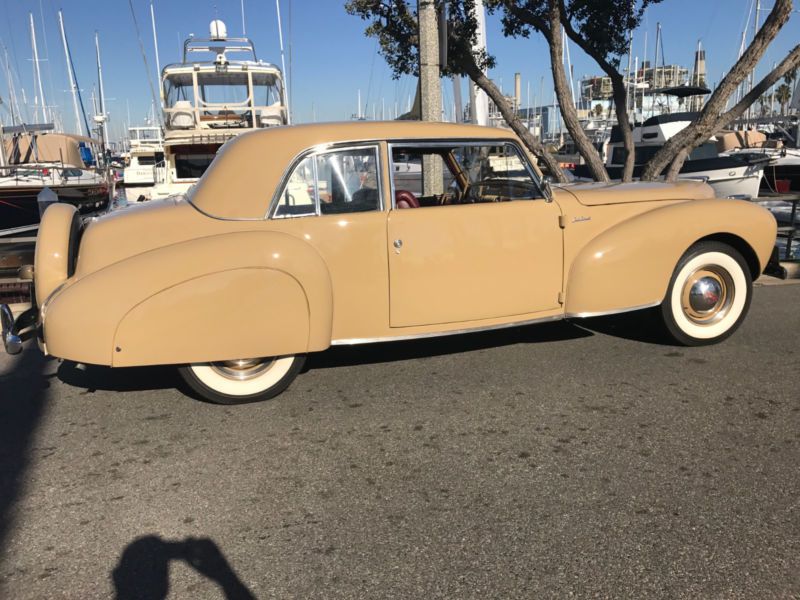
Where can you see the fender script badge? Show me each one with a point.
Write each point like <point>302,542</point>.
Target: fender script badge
<point>580,219</point>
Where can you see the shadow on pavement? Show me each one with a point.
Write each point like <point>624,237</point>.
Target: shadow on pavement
<point>640,326</point>
<point>338,356</point>
<point>23,394</point>
<point>127,379</point>
<point>143,569</point>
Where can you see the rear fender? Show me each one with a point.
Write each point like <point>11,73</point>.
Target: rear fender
<point>229,296</point>
<point>629,266</point>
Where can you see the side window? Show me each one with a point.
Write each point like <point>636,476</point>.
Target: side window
<point>298,197</point>
<point>347,181</point>
<point>460,174</point>
<point>341,181</point>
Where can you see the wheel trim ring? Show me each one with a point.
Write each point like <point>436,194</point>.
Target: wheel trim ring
<point>717,276</point>
<point>243,369</point>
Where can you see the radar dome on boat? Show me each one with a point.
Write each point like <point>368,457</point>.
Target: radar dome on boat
<point>218,30</point>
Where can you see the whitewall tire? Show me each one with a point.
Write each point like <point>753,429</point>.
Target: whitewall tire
<point>244,380</point>
<point>708,296</point>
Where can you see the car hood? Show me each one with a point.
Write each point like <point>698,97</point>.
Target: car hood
<point>136,229</point>
<point>598,194</point>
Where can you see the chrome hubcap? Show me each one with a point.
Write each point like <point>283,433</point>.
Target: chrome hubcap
<point>707,295</point>
<point>244,368</point>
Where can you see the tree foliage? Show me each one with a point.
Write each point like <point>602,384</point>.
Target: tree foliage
<point>394,24</point>
<point>603,25</point>
<point>783,94</point>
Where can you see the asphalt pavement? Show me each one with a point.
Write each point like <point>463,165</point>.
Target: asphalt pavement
<point>582,459</point>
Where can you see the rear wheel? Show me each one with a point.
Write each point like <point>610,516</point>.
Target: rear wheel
<point>244,380</point>
<point>708,296</point>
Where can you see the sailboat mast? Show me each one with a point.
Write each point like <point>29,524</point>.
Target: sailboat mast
<point>630,74</point>
<point>155,42</point>
<point>100,86</point>
<point>72,85</point>
<point>283,66</point>
<point>37,71</point>
<point>15,115</point>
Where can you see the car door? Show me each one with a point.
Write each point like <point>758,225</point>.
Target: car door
<point>493,250</point>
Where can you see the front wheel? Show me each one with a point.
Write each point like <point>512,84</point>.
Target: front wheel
<point>708,296</point>
<point>244,380</point>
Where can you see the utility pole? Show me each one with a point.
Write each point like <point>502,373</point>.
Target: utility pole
<point>459,110</point>
<point>73,86</point>
<point>478,100</point>
<point>430,89</point>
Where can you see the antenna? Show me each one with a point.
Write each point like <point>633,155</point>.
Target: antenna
<point>244,29</point>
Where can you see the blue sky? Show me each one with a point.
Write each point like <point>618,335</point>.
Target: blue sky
<point>330,57</point>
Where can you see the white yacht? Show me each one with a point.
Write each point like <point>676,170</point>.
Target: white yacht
<point>207,102</point>
<point>145,151</point>
<point>735,175</point>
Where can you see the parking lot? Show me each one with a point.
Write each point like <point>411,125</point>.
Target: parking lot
<point>580,459</point>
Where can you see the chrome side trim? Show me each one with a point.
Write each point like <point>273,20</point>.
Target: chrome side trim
<point>419,336</point>
<point>603,313</point>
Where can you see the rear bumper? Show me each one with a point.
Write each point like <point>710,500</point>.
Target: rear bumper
<point>11,339</point>
<point>16,331</point>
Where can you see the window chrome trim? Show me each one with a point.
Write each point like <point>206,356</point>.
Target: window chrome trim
<point>432,334</point>
<point>320,150</point>
<point>451,142</point>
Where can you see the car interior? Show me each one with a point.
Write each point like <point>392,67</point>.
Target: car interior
<point>460,175</point>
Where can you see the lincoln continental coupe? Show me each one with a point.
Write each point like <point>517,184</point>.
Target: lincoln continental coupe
<point>300,238</point>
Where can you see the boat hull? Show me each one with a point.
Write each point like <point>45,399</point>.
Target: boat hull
<point>19,206</point>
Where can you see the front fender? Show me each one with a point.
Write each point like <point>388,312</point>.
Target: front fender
<point>629,265</point>
<point>228,296</point>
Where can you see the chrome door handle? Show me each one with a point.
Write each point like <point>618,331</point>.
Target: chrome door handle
<point>398,244</point>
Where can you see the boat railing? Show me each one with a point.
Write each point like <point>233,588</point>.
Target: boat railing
<point>223,116</point>
<point>54,173</point>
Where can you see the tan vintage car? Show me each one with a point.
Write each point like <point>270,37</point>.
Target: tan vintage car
<point>299,238</point>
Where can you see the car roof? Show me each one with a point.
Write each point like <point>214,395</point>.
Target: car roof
<point>241,181</point>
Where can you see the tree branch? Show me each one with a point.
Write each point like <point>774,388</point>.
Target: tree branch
<point>482,81</point>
